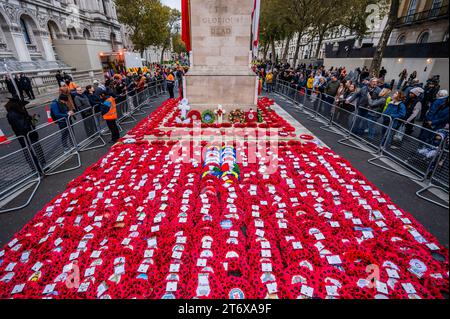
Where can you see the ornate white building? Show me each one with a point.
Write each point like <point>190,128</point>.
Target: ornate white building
<point>50,34</point>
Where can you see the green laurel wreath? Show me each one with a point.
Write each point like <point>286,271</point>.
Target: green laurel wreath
<point>208,117</point>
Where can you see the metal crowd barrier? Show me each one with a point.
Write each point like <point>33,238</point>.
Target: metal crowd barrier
<point>383,135</point>
<point>55,147</point>
<point>369,127</point>
<point>153,88</point>
<point>439,179</point>
<point>343,118</point>
<point>86,131</point>
<point>125,111</point>
<point>18,173</point>
<point>410,152</point>
<point>290,93</point>
<point>48,147</point>
<point>355,124</point>
<point>143,99</point>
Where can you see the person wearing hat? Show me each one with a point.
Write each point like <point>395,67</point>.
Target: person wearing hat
<point>414,84</point>
<point>413,108</point>
<point>437,117</point>
<point>18,118</point>
<point>109,112</point>
<point>23,126</point>
<point>60,113</point>
<point>432,88</point>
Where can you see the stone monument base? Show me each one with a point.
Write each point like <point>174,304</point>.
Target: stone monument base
<point>206,90</point>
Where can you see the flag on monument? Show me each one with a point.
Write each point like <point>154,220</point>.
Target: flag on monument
<point>185,24</point>
<point>255,27</point>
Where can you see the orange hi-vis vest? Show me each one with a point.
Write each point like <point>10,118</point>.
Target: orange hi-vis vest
<point>112,113</point>
<point>170,78</point>
<point>72,86</point>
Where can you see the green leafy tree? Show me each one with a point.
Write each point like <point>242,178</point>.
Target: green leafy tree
<point>172,28</point>
<point>274,25</point>
<point>147,20</point>
<point>300,18</point>
<point>178,46</point>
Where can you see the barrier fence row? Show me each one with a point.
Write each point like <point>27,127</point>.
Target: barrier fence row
<point>420,151</point>
<point>45,149</point>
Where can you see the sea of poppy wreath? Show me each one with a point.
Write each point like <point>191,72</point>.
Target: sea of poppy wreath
<point>139,225</point>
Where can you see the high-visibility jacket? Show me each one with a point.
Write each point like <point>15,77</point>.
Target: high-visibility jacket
<point>72,86</point>
<point>111,115</point>
<point>170,79</point>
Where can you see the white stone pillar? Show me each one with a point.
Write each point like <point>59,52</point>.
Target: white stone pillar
<point>48,49</point>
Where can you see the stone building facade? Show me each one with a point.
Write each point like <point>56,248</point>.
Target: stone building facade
<point>38,37</point>
<point>34,34</point>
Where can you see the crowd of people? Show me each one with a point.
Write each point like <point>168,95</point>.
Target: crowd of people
<point>407,101</point>
<point>74,100</point>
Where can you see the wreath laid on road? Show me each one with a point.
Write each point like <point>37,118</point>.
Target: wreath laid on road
<point>208,117</point>
<point>237,116</point>
<point>194,115</point>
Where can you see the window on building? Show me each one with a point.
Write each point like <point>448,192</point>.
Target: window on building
<point>86,34</point>
<point>25,32</point>
<point>401,39</point>
<point>113,41</point>
<point>411,10</point>
<point>423,38</point>
<point>72,33</point>
<point>435,8</point>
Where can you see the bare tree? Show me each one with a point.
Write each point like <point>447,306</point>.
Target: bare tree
<point>390,25</point>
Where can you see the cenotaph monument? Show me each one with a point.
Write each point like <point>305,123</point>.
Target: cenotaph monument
<point>221,42</point>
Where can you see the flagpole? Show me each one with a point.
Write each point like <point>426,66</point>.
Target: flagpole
<point>256,21</point>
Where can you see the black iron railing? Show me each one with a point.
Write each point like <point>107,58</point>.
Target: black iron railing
<point>410,50</point>
<point>418,17</point>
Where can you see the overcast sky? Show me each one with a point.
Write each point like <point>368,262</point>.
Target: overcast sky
<point>173,3</point>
